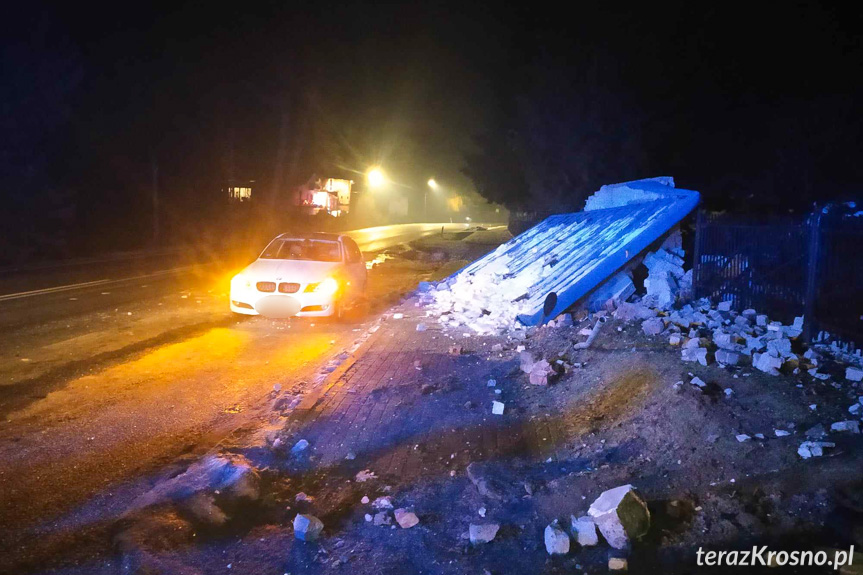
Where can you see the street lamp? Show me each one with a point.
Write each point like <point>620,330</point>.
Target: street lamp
<point>433,185</point>
<point>376,178</point>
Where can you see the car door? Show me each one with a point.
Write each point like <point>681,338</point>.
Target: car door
<point>354,266</point>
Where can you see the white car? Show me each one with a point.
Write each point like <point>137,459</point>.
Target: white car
<point>313,275</point>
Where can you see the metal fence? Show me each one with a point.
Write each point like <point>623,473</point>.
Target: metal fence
<point>810,266</point>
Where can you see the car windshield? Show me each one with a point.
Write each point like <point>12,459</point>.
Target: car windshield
<point>302,249</point>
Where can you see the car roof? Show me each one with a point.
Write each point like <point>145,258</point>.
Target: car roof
<point>309,236</point>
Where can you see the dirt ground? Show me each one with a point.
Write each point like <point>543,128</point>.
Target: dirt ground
<point>416,415</point>
<point>618,419</point>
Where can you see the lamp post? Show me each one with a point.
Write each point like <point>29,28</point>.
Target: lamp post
<point>433,185</point>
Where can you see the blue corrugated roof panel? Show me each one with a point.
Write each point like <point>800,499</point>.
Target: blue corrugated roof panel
<point>580,250</point>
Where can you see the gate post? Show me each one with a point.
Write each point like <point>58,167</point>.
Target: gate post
<point>812,273</point>
<point>696,256</point>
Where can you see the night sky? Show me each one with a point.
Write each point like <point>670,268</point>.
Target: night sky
<point>753,107</point>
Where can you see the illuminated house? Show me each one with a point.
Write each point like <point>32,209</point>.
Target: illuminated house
<point>240,191</point>
<point>333,196</point>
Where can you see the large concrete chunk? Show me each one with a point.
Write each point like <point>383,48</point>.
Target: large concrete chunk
<point>556,540</point>
<point>727,357</point>
<point>626,193</point>
<point>307,527</point>
<point>406,519</point>
<point>621,515</point>
<point>584,530</point>
<point>853,374</point>
<point>652,326</point>
<point>767,363</point>
<point>698,354</point>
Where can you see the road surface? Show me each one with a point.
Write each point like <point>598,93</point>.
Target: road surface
<point>111,370</point>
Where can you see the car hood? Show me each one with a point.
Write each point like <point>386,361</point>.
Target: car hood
<point>295,271</point>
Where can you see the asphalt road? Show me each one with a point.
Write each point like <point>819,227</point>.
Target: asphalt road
<point>111,370</point>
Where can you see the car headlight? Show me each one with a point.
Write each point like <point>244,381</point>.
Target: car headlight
<point>327,287</point>
<point>240,281</point>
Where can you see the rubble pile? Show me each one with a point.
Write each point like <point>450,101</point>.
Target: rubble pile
<point>666,278</point>
<point>486,301</point>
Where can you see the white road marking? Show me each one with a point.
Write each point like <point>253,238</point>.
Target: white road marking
<point>105,282</point>
<point>51,290</point>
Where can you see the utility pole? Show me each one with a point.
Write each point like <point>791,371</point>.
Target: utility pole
<point>155,168</point>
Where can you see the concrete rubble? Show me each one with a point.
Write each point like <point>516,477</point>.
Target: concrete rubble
<point>556,539</point>
<point>307,527</point>
<point>406,519</point>
<point>853,374</point>
<point>483,533</point>
<point>584,531</point>
<point>851,426</point>
<point>382,518</point>
<point>809,449</point>
<point>621,515</point>
<point>537,275</point>
<point>492,297</point>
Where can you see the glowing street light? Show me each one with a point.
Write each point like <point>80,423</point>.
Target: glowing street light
<point>433,185</point>
<point>376,178</point>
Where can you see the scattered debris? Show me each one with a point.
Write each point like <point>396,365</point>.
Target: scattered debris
<point>556,539</point>
<point>299,447</point>
<point>809,449</point>
<point>617,564</point>
<point>727,357</point>
<point>694,353</point>
<point>621,515</point>
<point>307,527</point>
<point>497,408</point>
<point>653,326</point>
<point>853,374</point>
<point>584,530</point>
<point>382,518</point>
<point>365,475</point>
<point>540,373</point>
<point>406,519</point>
<point>483,533</point>
<point>850,425</point>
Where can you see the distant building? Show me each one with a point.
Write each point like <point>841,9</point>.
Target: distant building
<point>240,190</point>
<point>332,196</point>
